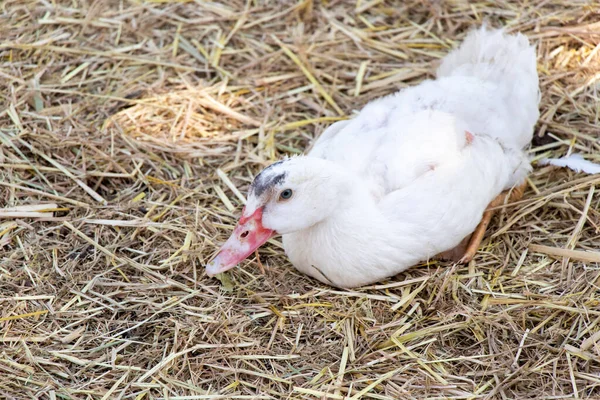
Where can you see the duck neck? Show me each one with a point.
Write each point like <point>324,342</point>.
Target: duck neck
<point>357,244</point>
<point>362,220</point>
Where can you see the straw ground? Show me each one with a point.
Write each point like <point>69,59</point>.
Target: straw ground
<point>130,131</point>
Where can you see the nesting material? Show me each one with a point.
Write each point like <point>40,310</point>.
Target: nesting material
<point>139,126</point>
<point>28,211</point>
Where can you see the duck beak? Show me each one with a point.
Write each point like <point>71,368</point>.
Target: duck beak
<point>248,235</point>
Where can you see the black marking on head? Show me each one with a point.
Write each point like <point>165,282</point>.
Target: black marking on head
<point>261,184</point>
<point>263,181</point>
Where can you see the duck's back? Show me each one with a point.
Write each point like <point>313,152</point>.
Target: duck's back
<point>489,86</point>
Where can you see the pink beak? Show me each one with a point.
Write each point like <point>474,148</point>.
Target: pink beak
<point>248,235</point>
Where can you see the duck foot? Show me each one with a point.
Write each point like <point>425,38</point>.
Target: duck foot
<point>455,254</point>
<point>469,245</point>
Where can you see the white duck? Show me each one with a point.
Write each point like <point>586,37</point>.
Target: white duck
<point>409,178</point>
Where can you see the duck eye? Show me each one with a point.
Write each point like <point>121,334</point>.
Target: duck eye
<point>286,194</point>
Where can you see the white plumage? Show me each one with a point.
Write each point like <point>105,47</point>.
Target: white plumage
<point>411,175</point>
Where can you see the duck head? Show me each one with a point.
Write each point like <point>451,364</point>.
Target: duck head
<point>287,196</point>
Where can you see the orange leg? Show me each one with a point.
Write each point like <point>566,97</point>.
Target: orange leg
<point>477,237</point>
<point>455,253</point>
<point>475,241</point>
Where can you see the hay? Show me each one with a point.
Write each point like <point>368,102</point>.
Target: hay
<point>129,133</point>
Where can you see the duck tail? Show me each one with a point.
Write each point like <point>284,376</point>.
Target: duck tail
<point>493,55</point>
<point>508,61</point>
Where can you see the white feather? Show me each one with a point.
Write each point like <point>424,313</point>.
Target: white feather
<point>576,162</point>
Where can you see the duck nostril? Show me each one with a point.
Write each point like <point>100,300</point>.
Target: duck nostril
<point>244,234</point>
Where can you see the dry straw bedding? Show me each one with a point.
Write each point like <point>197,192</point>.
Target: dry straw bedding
<point>129,133</point>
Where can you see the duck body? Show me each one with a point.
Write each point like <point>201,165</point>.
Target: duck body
<point>430,187</point>
<point>374,238</point>
<point>411,175</point>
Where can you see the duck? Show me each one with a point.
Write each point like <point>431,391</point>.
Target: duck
<point>412,177</point>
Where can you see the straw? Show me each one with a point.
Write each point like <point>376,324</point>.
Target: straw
<point>130,132</point>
